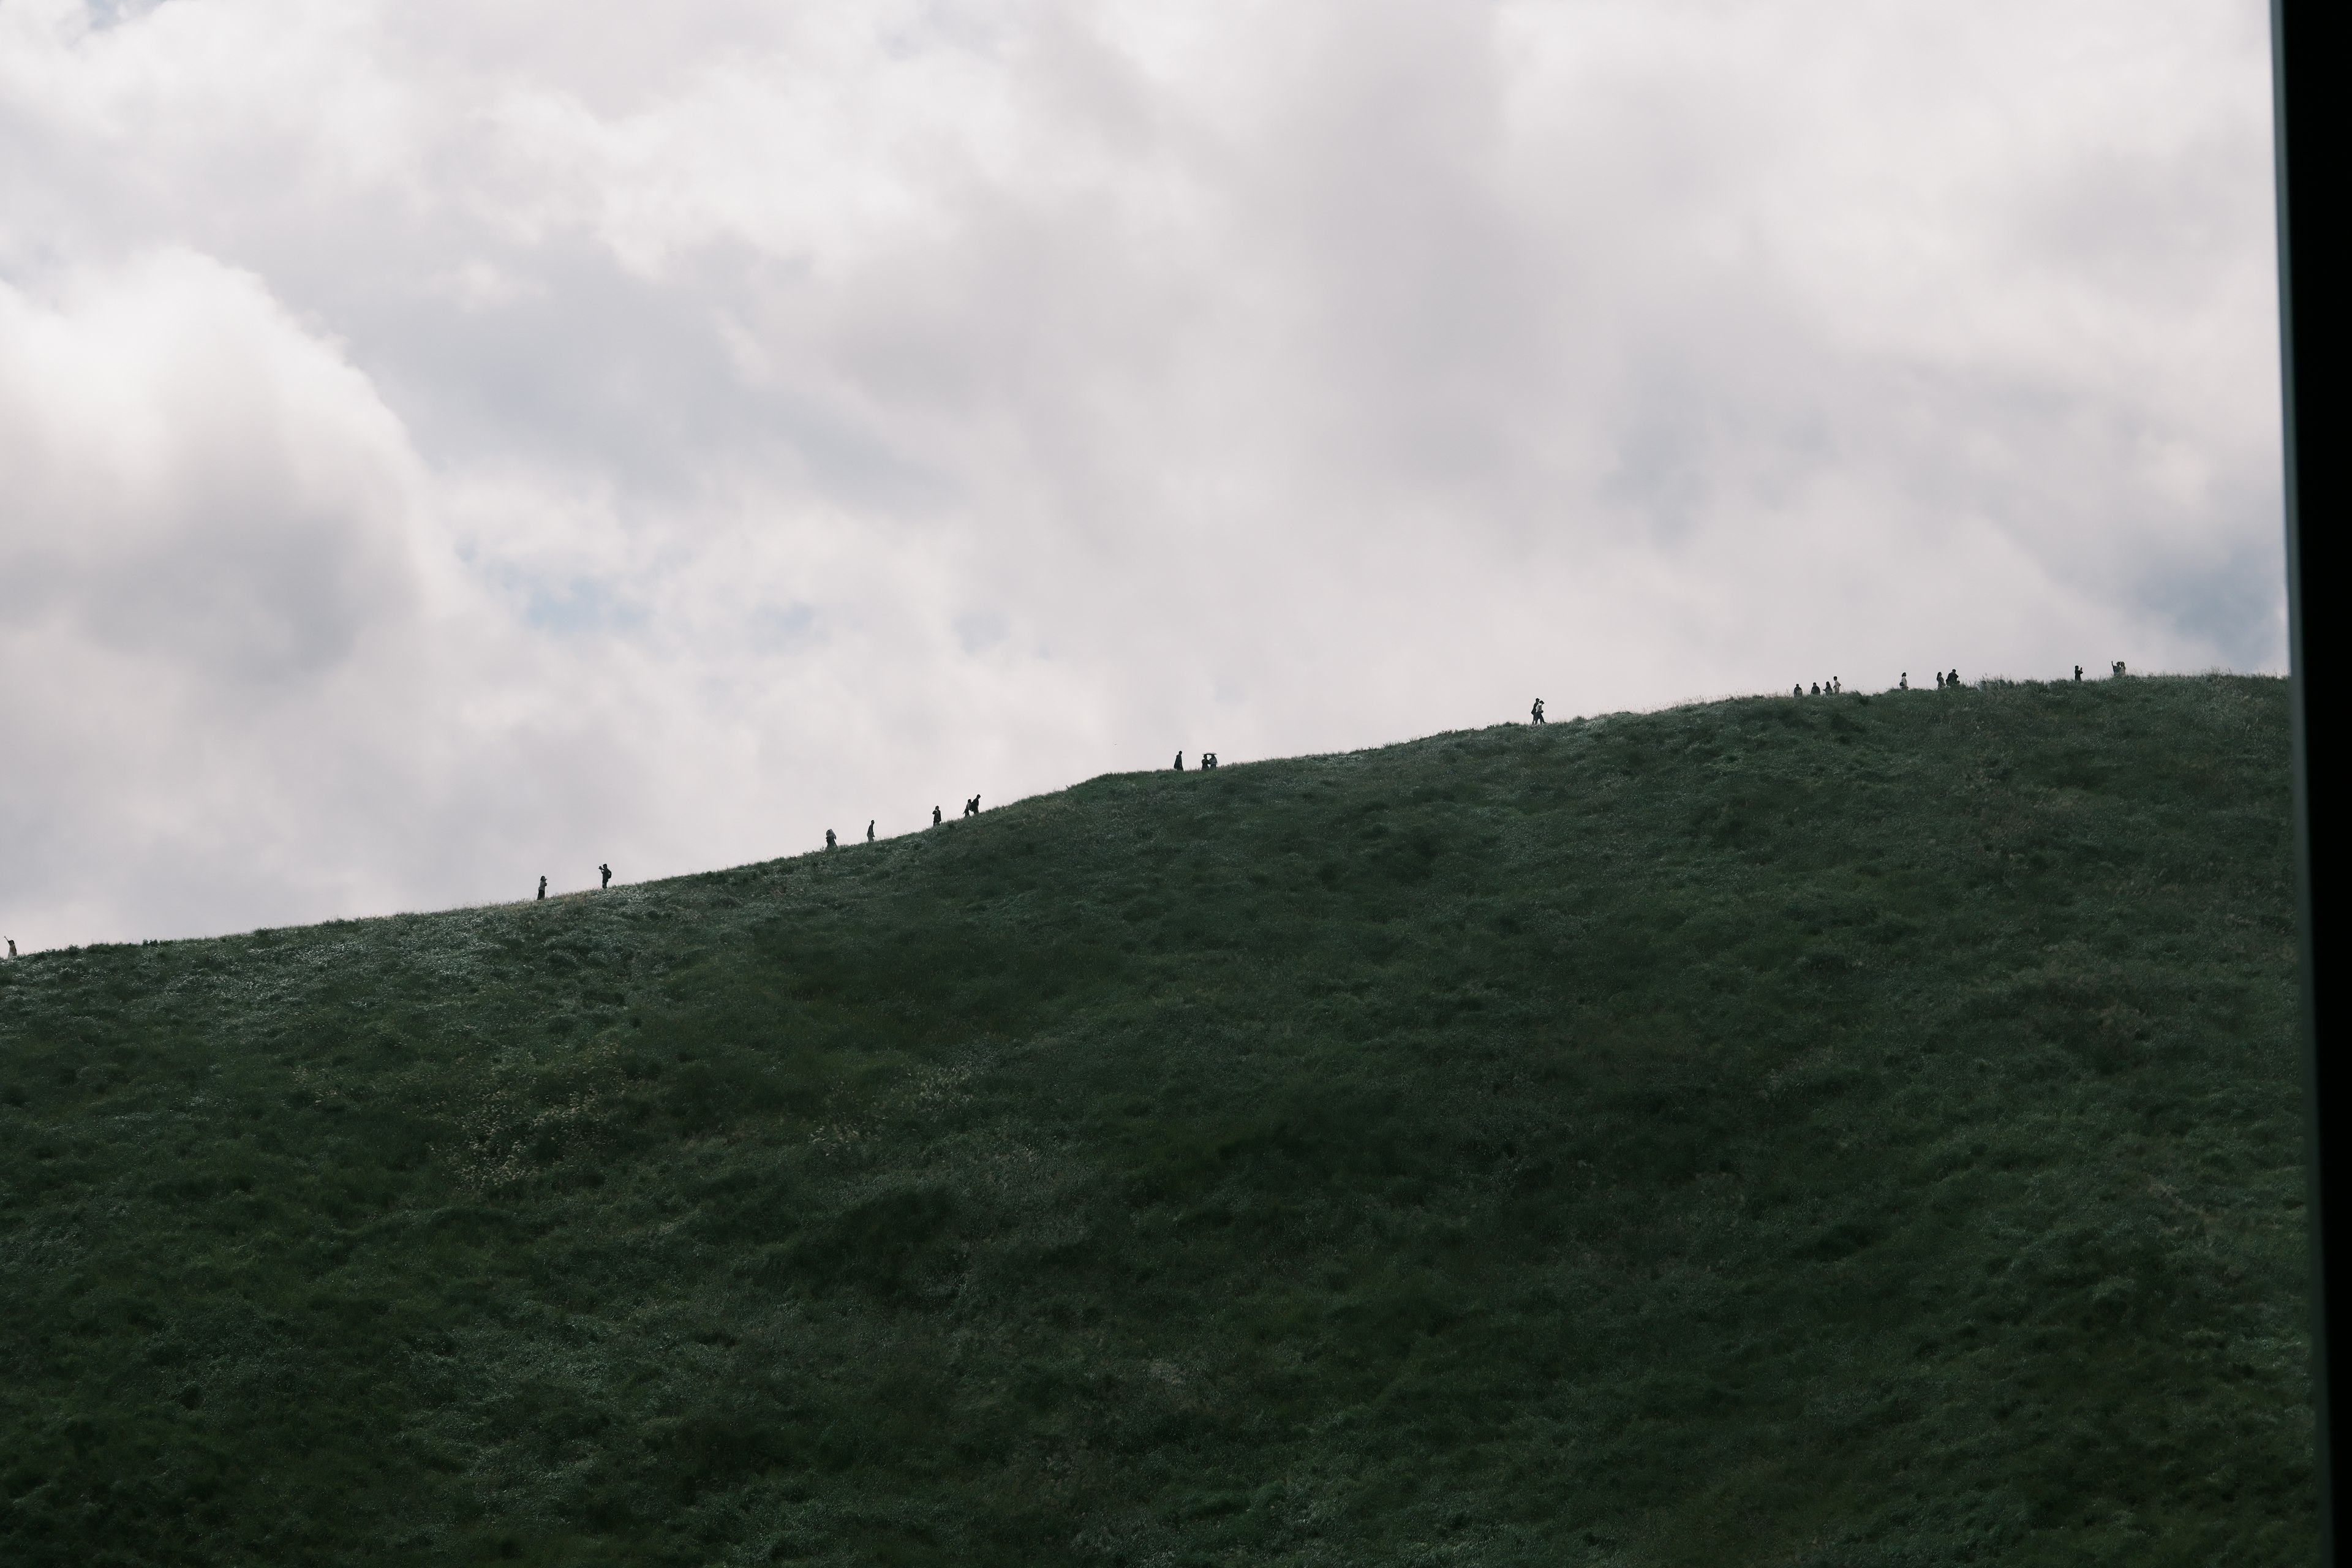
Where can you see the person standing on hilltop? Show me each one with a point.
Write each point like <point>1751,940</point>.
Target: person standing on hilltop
<point>828,838</point>
<point>935,816</point>
<point>1535,714</point>
<point>542,887</point>
<point>607,872</point>
<point>1179,761</point>
<point>12,950</point>
<point>869,830</point>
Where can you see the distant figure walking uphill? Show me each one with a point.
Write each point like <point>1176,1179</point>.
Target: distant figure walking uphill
<point>972,806</point>
<point>1535,714</point>
<point>607,873</point>
<point>542,887</point>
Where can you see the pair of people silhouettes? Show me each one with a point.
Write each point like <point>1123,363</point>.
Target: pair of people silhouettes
<point>606,872</point>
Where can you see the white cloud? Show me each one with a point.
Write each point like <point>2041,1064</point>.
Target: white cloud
<point>193,478</point>
<point>466,441</point>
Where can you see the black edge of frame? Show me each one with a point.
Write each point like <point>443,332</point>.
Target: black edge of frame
<point>2303,107</point>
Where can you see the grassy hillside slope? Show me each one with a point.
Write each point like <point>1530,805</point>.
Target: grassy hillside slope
<point>1854,1131</point>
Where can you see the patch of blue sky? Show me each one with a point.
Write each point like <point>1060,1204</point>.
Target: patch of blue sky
<point>785,628</point>
<point>580,607</point>
<point>105,13</point>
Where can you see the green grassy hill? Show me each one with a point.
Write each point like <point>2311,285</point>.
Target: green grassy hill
<point>1854,1131</point>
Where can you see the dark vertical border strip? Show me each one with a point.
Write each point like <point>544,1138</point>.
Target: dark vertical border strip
<point>2301,107</point>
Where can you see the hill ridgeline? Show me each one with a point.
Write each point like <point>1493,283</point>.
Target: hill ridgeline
<point>1857,1129</point>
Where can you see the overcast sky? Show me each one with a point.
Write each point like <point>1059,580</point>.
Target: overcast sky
<point>443,443</point>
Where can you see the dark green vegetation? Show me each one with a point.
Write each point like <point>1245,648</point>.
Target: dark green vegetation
<point>1834,1131</point>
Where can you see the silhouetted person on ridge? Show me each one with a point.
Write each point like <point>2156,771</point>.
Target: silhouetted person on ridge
<point>1953,680</point>
<point>607,871</point>
<point>1905,683</point>
<point>12,950</point>
<point>1179,761</point>
<point>1537,715</point>
<point>1208,761</point>
<point>1836,684</point>
<point>935,816</point>
<point>828,838</point>
<point>542,887</point>
<point>1798,689</point>
<point>972,806</point>
<point>2120,666</point>
<point>2078,672</point>
<point>869,830</point>
<point>1816,688</point>
<point>1940,680</point>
